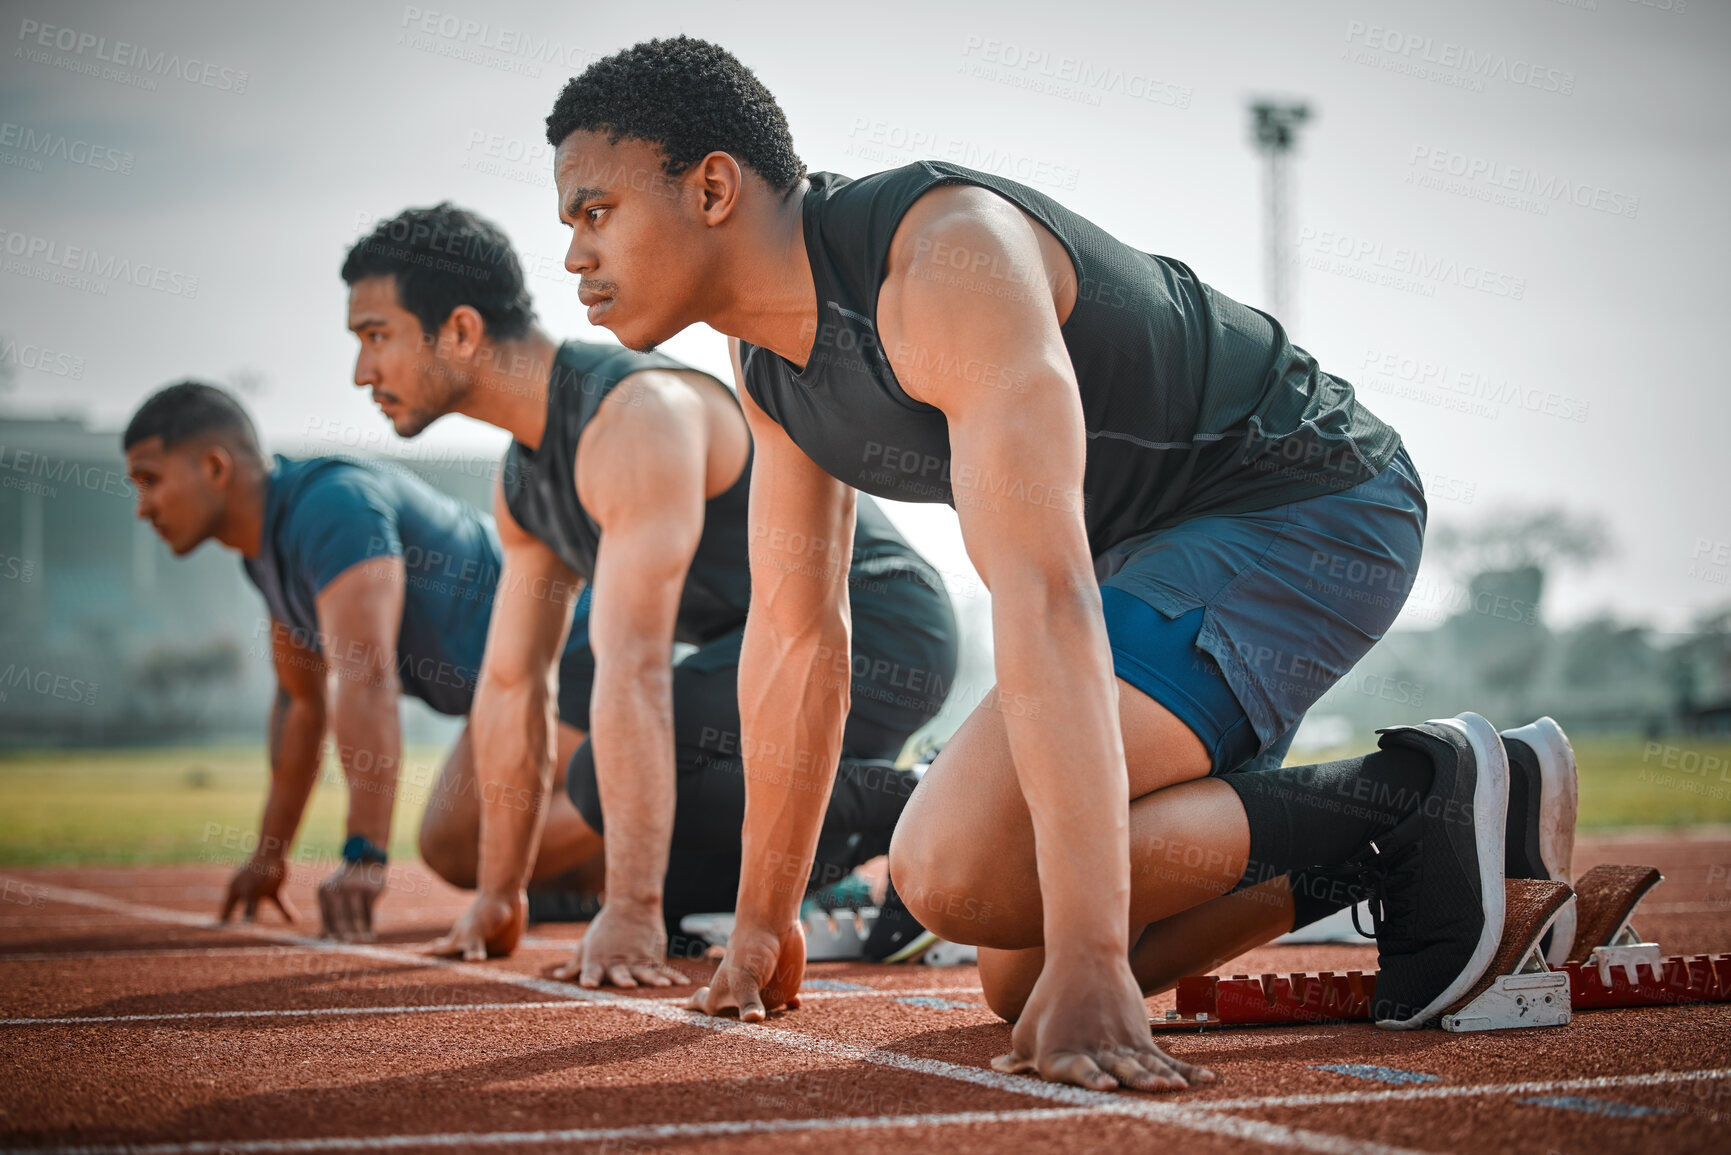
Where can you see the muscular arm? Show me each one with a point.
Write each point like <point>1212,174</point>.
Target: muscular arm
<point>297,733</point>
<point>296,739</point>
<point>514,718</point>
<point>1017,458</point>
<point>641,474</point>
<point>792,709</point>
<point>360,614</point>
<point>792,704</point>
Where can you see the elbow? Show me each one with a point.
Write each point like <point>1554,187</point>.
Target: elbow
<point>512,687</point>
<point>638,671</point>
<point>1051,593</point>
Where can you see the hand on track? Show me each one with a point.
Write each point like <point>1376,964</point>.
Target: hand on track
<point>490,928</point>
<point>760,972</point>
<point>625,946</point>
<point>1089,1029</point>
<point>257,880</point>
<point>346,900</point>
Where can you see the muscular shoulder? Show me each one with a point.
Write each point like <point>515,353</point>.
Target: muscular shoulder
<point>648,439</point>
<point>645,409</point>
<point>957,226</point>
<point>971,274</point>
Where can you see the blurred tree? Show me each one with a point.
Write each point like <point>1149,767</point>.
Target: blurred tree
<point>1513,538</point>
<point>1504,558</point>
<point>1701,674</point>
<point>1604,651</point>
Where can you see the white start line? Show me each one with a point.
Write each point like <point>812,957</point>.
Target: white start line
<point>577,1002</point>
<point>1068,1102</point>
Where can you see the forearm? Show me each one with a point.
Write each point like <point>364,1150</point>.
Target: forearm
<point>513,742</point>
<point>1059,700</point>
<point>793,707</point>
<point>297,731</point>
<point>369,745</point>
<point>632,736</point>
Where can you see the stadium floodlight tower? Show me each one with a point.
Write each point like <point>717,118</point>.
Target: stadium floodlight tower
<point>1276,127</point>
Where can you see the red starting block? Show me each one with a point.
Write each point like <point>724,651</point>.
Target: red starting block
<point>1268,999</point>
<point>1614,977</point>
<point>1618,970</point>
<point>1638,976</point>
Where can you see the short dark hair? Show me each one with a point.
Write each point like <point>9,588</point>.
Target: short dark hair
<point>190,409</point>
<point>442,257</point>
<point>688,96</point>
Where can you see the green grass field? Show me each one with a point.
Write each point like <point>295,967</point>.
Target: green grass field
<point>175,804</point>
<point>112,807</point>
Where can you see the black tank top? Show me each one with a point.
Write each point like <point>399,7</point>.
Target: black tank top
<point>1194,404</point>
<point>540,487</point>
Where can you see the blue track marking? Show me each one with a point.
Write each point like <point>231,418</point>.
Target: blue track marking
<point>1377,1074</point>
<point>832,985</point>
<point>938,1004</point>
<point>1596,1106</point>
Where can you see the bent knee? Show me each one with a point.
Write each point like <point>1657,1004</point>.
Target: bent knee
<point>952,903</point>
<point>448,854</point>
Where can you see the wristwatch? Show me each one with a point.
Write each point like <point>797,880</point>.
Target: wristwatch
<point>359,848</point>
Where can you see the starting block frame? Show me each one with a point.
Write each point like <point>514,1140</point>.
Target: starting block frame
<point>1532,995</point>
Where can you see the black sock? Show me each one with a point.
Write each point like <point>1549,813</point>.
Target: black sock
<point>1304,817</point>
<point>1316,894</point>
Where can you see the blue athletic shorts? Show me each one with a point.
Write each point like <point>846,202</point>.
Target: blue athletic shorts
<point>1237,623</point>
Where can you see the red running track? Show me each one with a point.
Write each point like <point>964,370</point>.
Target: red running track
<point>131,1023</point>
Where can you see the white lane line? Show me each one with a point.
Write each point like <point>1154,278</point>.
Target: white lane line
<point>640,1134</point>
<point>1594,1083</point>
<point>568,1004</point>
<point>309,1012</point>
<point>127,909</point>
<point>694,1131</point>
<point>65,922</point>
<point>1212,1122</point>
<point>133,955</point>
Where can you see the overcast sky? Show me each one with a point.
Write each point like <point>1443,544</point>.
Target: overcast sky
<point>1509,215</point>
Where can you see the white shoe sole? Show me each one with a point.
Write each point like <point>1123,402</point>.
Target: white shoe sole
<point>1490,816</point>
<point>912,950</point>
<point>1559,804</point>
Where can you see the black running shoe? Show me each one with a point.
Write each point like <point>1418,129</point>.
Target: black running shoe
<point>896,936</point>
<point>1543,800</point>
<point>1437,878</point>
